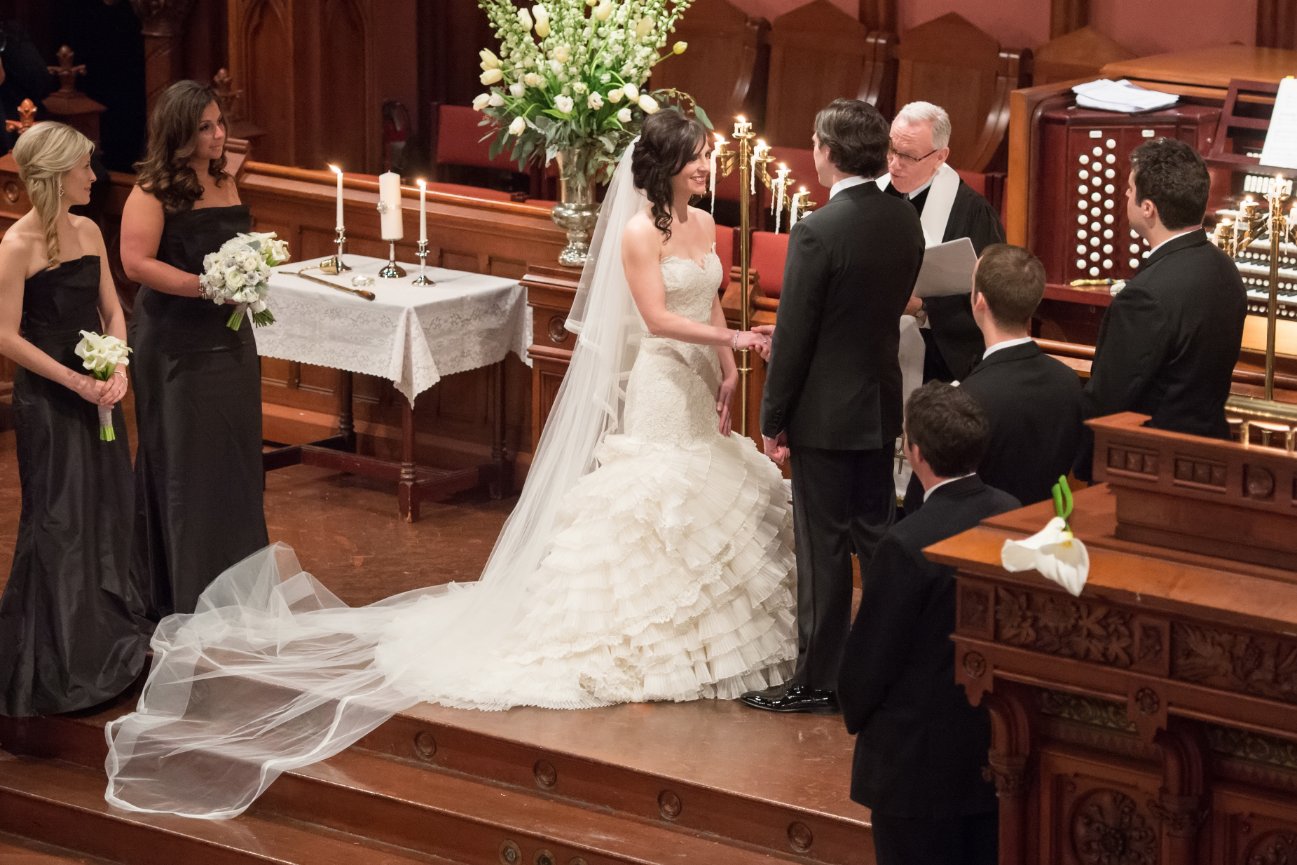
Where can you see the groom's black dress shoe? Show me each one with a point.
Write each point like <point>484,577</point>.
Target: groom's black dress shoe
<point>794,698</point>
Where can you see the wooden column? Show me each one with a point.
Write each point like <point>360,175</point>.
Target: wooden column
<point>1067,15</point>
<point>878,15</point>
<point>1276,24</point>
<point>162,23</point>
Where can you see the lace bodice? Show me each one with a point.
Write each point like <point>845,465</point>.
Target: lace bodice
<point>671,395</point>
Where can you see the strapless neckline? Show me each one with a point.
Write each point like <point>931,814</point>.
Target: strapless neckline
<point>701,265</point>
<point>62,264</point>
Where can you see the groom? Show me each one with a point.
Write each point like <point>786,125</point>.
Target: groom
<point>833,386</point>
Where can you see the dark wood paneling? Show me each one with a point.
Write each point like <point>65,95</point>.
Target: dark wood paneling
<point>1276,24</point>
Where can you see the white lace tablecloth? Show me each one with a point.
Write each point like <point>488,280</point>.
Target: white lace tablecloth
<point>410,334</point>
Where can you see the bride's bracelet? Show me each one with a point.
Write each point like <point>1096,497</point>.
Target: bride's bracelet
<point>734,340</point>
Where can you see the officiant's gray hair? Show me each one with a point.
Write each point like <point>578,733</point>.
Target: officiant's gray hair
<point>926,112</point>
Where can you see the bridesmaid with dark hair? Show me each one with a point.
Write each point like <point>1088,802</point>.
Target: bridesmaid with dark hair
<point>197,383</point>
<point>73,630</point>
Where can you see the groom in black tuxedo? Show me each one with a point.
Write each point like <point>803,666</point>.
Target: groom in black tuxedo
<point>833,387</point>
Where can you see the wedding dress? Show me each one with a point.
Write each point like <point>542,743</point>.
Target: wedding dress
<point>648,558</point>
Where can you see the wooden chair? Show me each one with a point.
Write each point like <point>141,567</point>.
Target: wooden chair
<point>724,69</point>
<point>1079,54</point>
<point>817,54</point>
<point>462,161</point>
<point>769,251</point>
<point>950,62</point>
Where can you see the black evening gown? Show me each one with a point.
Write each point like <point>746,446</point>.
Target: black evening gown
<point>198,414</point>
<point>73,626</point>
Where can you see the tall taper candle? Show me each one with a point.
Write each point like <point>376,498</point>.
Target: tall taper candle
<point>389,196</point>
<point>338,171</point>
<point>423,210</point>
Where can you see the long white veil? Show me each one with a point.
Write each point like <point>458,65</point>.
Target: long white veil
<point>273,672</point>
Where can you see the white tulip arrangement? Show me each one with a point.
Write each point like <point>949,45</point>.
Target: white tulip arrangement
<point>570,75</point>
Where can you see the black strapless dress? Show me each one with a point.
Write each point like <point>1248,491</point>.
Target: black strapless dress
<point>198,416</point>
<point>73,626</point>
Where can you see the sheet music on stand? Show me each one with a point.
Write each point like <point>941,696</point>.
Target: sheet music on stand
<point>1280,148</point>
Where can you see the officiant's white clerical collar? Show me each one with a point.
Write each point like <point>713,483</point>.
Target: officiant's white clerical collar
<point>941,198</point>
<point>846,183</point>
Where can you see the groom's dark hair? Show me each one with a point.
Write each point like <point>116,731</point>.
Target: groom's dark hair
<point>856,135</point>
<point>948,427</point>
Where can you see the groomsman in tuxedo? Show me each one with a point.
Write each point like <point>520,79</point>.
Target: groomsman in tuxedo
<point>1032,402</point>
<point>1169,341</point>
<point>920,746</point>
<point>833,385</point>
<point>949,209</point>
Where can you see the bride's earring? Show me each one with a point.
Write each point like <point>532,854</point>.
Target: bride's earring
<point>60,189</point>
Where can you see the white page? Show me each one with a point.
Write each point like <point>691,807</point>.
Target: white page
<point>1280,150</point>
<point>947,269</point>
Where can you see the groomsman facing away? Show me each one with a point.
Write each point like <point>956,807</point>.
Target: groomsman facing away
<point>1032,401</point>
<point>920,747</point>
<point>833,386</point>
<point>1169,342</point>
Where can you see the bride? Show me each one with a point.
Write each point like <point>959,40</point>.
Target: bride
<point>649,556</point>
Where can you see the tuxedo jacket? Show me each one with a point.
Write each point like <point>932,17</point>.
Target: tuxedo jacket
<point>833,379</point>
<point>1169,342</point>
<point>920,746</point>
<point>950,319</point>
<point>1033,404</point>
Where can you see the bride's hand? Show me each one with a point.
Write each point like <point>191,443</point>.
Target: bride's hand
<point>724,397</point>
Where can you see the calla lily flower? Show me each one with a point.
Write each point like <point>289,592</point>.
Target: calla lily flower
<point>1052,551</point>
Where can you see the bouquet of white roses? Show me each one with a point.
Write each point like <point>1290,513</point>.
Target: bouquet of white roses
<point>102,355</point>
<point>570,76</point>
<point>239,273</point>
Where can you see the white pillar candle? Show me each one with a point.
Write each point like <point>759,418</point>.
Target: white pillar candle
<point>389,197</point>
<point>423,210</point>
<point>338,220</point>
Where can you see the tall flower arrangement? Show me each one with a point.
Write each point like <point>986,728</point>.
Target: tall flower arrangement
<point>570,77</point>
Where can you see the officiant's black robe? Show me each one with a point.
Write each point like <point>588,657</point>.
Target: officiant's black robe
<point>954,343</point>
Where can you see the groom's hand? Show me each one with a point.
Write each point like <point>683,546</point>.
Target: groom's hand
<point>767,330</point>
<point>776,448</point>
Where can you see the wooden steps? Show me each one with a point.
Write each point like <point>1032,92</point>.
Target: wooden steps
<point>429,787</point>
<point>57,802</point>
<point>24,851</point>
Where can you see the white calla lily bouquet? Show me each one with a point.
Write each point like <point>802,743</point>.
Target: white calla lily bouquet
<point>570,76</point>
<point>239,273</point>
<point>101,355</point>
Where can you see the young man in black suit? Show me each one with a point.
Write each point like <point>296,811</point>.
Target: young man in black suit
<point>1169,342</point>
<point>833,385</point>
<point>920,747</point>
<point>1031,401</point>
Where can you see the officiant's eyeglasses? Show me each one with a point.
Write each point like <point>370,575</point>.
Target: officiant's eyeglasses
<point>892,151</point>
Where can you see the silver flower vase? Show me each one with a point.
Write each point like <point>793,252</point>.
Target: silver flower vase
<point>577,210</point>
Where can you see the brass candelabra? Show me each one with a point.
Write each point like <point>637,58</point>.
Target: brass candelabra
<point>752,157</point>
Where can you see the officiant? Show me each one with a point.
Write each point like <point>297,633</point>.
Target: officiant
<point>949,209</point>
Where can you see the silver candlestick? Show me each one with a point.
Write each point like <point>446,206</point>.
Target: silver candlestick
<point>422,252</point>
<point>391,270</point>
<point>334,263</point>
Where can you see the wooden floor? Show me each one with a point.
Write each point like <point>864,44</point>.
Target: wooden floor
<point>771,785</point>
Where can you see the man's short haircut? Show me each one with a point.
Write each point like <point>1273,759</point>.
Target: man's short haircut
<point>1013,281</point>
<point>855,134</point>
<point>1173,176</point>
<point>926,112</point>
<point>948,427</point>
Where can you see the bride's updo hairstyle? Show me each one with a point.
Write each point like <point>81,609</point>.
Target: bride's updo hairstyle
<point>44,153</point>
<point>668,141</point>
<point>165,172</point>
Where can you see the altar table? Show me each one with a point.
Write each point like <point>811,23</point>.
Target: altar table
<point>411,335</point>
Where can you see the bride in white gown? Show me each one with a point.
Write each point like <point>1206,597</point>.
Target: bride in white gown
<point>649,556</point>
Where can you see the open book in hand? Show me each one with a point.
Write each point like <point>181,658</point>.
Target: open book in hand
<point>947,269</point>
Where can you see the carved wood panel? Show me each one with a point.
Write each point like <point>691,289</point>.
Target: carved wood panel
<point>315,75</point>
<point>1096,812</point>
